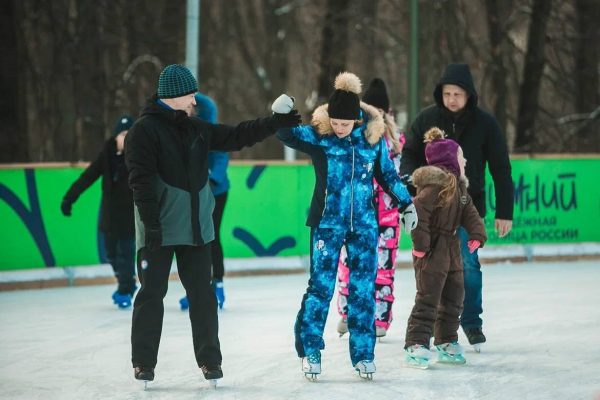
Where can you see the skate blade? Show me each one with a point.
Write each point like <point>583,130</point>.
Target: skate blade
<point>477,347</point>
<point>452,361</point>
<point>368,376</point>
<point>212,383</point>
<point>416,364</point>
<point>311,377</point>
<point>146,384</point>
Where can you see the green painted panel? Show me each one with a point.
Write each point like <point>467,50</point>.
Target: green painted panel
<point>267,208</point>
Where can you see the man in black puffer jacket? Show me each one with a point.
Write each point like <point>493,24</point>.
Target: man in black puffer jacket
<point>456,112</point>
<point>166,153</point>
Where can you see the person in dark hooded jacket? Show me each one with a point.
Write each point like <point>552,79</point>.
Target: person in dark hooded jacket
<point>116,216</point>
<point>456,112</point>
<point>166,153</point>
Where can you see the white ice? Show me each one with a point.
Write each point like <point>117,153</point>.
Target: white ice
<point>542,321</point>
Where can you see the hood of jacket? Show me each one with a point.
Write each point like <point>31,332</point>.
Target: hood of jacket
<point>373,131</point>
<point>173,116</point>
<point>430,175</point>
<point>459,75</point>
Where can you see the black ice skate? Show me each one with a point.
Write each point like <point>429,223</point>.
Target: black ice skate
<point>212,372</point>
<point>475,337</point>
<point>145,374</point>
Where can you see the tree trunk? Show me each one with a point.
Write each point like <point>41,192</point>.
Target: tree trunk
<point>13,141</point>
<point>496,18</point>
<point>587,60</point>
<point>334,47</point>
<point>532,76</point>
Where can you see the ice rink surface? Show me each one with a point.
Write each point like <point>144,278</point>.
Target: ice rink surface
<point>542,321</point>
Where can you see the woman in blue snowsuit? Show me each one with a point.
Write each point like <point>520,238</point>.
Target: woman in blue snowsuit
<point>344,142</point>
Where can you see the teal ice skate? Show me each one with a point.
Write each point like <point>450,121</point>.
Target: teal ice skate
<point>417,356</point>
<point>450,353</point>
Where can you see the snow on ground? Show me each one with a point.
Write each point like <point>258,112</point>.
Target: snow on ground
<point>542,321</point>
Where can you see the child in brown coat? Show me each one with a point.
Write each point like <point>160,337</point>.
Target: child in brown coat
<point>443,205</point>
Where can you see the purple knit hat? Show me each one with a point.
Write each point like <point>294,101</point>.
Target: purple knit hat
<point>442,152</point>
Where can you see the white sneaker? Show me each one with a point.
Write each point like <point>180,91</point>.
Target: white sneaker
<point>342,326</point>
<point>380,331</point>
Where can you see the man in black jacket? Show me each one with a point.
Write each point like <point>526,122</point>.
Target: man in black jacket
<point>166,153</point>
<point>456,112</point>
<point>116,216</point>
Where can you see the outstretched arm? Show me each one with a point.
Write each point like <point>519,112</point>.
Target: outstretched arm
<point>85,180</point>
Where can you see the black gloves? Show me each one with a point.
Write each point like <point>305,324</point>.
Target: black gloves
<point>289,120</point>
<point>153,238</point>
<point>408,182</point>
<point>65,207</point>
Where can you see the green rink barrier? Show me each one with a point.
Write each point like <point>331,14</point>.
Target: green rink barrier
<point>555,202</point>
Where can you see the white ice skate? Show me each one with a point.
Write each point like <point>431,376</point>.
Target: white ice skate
<point>311,366</point>
<point>476,338</point>
<point>365,369</point>
<point>450,353</point>
<point>417,356</point>
<point>212,373</point>
<point>342,327</point>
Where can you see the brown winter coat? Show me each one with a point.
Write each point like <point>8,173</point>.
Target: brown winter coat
<point>439,275</point>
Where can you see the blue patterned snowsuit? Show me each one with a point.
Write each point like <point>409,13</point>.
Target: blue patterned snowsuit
<point>342,213</point>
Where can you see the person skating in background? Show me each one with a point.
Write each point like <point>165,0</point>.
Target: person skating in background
<point>456,112</point>
<point>166,153</point>
<point>116,212</point>
<point>388,219</point>
<point>443,205</point>
<point>206,110</point>
<point>347,150</point>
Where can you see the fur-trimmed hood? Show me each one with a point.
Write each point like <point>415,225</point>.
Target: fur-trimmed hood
<point>430,175</point>
<point>373,131</point>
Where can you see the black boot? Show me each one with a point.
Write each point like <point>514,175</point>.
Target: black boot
<point>212,371</point>
<point>475,335</point>
<point>143,373</point>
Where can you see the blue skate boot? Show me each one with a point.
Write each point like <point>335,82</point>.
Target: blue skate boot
<point>184,303</point>
<point>122,301</point>
<point>219,293</point>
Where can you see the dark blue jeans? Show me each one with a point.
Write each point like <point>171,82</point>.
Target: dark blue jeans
<point>473,284</point>
<point>120,252</point>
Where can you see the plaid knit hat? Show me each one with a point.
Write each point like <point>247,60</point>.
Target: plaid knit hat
<point>176,81</point>
<point>376,95</point>
<point>123,123</point>
<point>441,152</point>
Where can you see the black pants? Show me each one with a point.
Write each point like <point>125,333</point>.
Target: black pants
<point>217,249</point>
<point>120,252</point>
<point>193,265</point>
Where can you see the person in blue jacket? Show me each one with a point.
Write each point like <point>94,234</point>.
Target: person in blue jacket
<point>218,161</point>
<point>347,150</point>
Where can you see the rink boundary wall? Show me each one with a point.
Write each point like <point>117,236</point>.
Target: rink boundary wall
<point>267,206</point>
<point>43,278</point>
